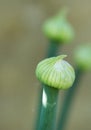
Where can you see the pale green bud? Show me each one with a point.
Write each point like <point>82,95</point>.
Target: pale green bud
<point>58,28</point>
<point>56,72</point>
<point>82,57</point>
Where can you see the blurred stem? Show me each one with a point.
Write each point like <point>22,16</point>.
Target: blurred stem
<point>52,48</point>
<point>68,100</point>
<point>48,108</point>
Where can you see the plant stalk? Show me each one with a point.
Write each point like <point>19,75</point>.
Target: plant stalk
<point>48,108</point>
<point>52,48</point>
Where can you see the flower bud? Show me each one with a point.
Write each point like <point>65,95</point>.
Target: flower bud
<point>82,56</point>
<point>56,72</point>
<point>58,28</point>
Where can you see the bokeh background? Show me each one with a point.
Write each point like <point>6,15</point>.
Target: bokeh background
<point>22,46</point>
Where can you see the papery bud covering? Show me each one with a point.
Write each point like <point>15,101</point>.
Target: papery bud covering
<point>56,72</point>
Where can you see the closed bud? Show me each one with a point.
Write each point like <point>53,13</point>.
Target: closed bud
<point>82,57</point>
<point>56,72</point>
<point>58,28</point>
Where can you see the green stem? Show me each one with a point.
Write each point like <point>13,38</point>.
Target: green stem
<point>52,48</point>
<point>68,100</point>
<point>48,108</point>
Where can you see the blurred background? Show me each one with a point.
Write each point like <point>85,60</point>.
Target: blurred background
<point>23,45</point>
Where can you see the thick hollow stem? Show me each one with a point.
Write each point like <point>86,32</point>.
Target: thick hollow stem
<point>48,108</point>
<point>68,100</point>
